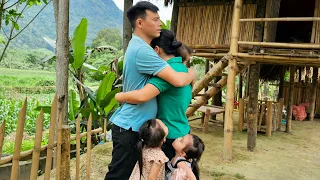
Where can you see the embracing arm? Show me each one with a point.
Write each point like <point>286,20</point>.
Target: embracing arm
<point>154,171</point>
<point>177,79</point>
<point>189,172</point>
<point>145,94</point>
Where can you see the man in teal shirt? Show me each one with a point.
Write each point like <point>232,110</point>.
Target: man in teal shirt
<point>172,101</point>
<point>140,63</point>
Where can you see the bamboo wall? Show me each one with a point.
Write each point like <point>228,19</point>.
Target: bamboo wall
<point>212,24</point>
<point>302,93</point>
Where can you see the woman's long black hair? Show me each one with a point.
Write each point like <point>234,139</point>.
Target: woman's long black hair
<point>151,136</point>
<point>193,153</point>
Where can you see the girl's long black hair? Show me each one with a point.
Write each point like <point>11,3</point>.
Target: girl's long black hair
<point>151,136</point>
<point>193,153</point>
<point>168,42</point>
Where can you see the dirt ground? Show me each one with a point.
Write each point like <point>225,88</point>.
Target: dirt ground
<point>279,157</point>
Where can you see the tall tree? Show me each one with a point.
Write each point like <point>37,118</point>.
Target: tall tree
<point>61,12</point>
<point>127,29</point>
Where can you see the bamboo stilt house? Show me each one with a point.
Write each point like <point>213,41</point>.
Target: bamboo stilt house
<point>215,29</point>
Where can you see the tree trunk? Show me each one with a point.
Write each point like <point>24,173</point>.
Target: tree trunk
<point>314,93</point>
<point>246,93</point>
<point>282,72</point>
<point>61,9</point>
<point>1,12</point>
<point>290,100</point>
<point>252,114</point>
<point>127,29</point>
<point>174,16</point>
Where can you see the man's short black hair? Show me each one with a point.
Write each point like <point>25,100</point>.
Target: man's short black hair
<point>139,11</point>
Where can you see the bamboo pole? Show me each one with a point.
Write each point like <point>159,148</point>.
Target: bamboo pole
<point>232,71</point>
<point>51,138</point>
<point>214,71</point>
<point>37,146</point>
<point>2,134</point>
<point>206,120</point>
<point>266,24</point>
<point>209,46</point>
<point>263,107</point>
<point>281,19</point>
<point>78,148</point>
<point>281,102</point>
<point>314,93</point>
<point>105,129</point>
<point>269,118</point>
<point>24,154</point>
<point>58,149</point>
<point>241,115</point>
<point>281,45</point>
<point>89,126</point>
<point>18,142</point>
<point>290,99</point>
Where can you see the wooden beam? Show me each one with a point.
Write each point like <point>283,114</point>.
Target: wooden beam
<point>281,45</point>
<point>232,71</point>
<point>280,19</point>
<point>290,100</point>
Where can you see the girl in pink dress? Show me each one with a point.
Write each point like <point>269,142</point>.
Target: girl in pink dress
<point>151,159</point>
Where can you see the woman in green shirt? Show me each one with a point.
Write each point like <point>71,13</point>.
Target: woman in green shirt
<point>172,101</point>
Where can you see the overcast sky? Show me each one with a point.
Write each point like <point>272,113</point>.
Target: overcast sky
<point>165,12</point>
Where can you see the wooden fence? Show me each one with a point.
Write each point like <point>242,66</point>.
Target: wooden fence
<point>302,94</point>
<point>15,158</point>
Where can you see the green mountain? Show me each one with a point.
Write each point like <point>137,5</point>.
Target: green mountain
<point>100,14</point>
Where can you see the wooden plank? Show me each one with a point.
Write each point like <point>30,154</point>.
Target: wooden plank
<point>58,149</point>
<point>269,118</point>
<point>2,134</point>
<point>37,146</point>
<point>263,107</point>
<point>78,148</point>
<point>89,126</point>
<point>18,142</point>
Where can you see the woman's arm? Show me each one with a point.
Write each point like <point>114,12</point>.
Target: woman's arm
<point>189,172</point>
<point>155,168</point>
<point>145,94</point>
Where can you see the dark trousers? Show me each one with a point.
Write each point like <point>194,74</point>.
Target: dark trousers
<point>124,153</point>
<point>168,149</point>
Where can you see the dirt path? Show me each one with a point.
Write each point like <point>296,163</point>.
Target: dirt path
<point>280,157</point>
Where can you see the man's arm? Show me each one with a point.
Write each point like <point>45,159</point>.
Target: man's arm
<point>145,94</point>
<point>148,62</point>
<point>177,79</point>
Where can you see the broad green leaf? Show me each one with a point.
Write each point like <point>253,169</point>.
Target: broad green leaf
<point>105,86</point>
<point>86,113</point>
<point>73,104</point>
<point>78,43</point>
<point>2,39</point>
<point>15,25</point>
<point>110,106</point>
<point>90,67</point>
<point>46,109</point>
<point>109,97</point>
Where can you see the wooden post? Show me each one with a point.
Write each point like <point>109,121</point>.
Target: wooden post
<point>290,100</point>
<point>37,147</point>
<point>78,148</point>
<point>282,73</point>
<point>58,149</point>
<point>281,102</point>
<point>18,142</point>
<point>241,115</point>
<point>246,92</point>
<point>269,118</point>
<point>51,138</point>
<point>65,152</point>
<point>314,93</point>
<point>263,107</point>
<point>232,71</point>
<point>175,16</point>
<point>89,126</point>
<point>127,28</point>
<point>2,134</point>
<point>206,121</point>
<point>252,114</point>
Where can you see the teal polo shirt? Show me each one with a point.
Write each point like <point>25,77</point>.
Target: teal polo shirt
<point>173,102</point>
<point>141,62</point>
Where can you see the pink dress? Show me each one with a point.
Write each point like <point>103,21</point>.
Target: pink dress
<point>150,156</point>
